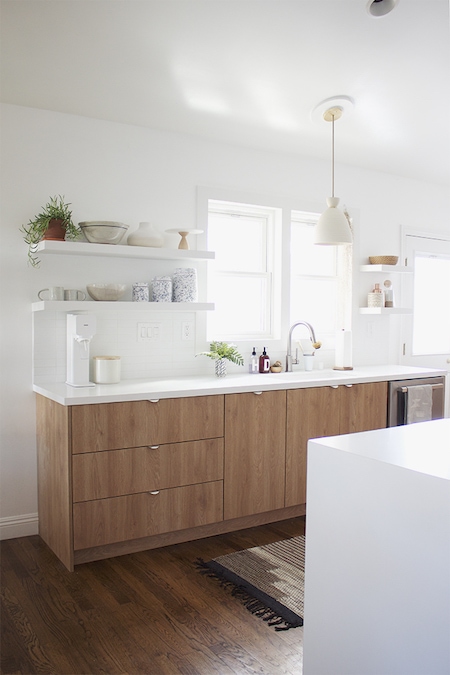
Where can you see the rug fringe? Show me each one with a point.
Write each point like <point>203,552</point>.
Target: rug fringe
<point>252,604</point>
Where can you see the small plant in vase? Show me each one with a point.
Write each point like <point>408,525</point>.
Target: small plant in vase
<point>222,352</point>
<point>54,222</point>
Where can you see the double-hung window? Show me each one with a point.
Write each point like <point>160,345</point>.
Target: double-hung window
<point>320,288</point>
<point>268,274</point>
<point>243,279</point>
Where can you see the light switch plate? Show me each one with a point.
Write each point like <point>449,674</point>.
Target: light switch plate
<point>149,332</point>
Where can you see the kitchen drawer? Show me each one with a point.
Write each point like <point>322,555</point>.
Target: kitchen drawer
<point>112,473</point>
<point>129,424</point>
<point>106,521</point>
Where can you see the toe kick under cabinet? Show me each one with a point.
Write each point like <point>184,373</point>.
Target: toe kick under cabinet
<point>115,473</point>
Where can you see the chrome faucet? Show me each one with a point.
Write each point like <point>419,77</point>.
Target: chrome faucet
<point>289,360</point>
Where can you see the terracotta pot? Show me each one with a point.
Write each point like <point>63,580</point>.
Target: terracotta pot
<point>55,230</point>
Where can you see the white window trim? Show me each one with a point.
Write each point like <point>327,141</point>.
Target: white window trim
<point>287,205</point>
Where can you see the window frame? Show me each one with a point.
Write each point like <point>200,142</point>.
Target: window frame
<point>287,205</point>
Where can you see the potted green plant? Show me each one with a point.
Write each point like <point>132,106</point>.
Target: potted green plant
<point>221,352</point>
<point>54,222</point>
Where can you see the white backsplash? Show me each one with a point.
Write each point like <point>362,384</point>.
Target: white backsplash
<point>117,335</point>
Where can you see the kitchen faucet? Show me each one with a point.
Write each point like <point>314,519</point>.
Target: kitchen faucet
<point>289,360</point>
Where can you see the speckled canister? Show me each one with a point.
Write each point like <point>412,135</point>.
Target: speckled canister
<point>185,285</point>
<point>162,289</point>
<point>140,292</point>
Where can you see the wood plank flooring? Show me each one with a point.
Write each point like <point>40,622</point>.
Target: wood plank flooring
<point>148,613</point>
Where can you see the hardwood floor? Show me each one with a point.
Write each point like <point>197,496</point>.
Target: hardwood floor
<point>148,613</point>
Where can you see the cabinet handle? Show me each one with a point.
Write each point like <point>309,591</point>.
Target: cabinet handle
<point>349,385</point>
<point>334,386</point>
<point>257,393</point>
<point>154,400</point>
<point>154,492</point>
<point>152,447</point>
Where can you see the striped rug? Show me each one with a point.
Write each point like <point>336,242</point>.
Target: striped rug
<point>269,580</point>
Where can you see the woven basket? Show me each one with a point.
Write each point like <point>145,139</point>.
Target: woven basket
<point>383,259</point>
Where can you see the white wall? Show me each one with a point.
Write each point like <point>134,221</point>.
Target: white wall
<point>117,172</point>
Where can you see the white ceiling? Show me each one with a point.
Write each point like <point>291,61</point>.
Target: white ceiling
<point>246,72</point>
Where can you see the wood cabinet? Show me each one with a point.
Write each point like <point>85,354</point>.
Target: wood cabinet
<point>121,477</point>
<point>113,473</point>
<point>129,424</point>
<point>107,521</point>
<point>116,472</point>
<point>255,447</point>
<point>327,411</point>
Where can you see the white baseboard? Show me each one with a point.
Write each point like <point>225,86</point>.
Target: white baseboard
<point>19,526</point>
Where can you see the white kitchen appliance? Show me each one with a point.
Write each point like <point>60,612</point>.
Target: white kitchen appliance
<point>81,329</point>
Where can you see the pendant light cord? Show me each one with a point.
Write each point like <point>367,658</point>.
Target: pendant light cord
<point>332,156</point>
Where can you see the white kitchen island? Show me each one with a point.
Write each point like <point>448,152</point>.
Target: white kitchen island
<point>377,582</point>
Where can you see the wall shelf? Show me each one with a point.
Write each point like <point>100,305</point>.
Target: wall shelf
<point>388,269</point>
<point>93,306</point>
<point>385,310</point>
<point>118,251</point>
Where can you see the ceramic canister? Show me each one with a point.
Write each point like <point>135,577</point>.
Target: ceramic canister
<point>185,284</point>
<point>161,289</point>
<point>106,369</point>
<point>140,292</point>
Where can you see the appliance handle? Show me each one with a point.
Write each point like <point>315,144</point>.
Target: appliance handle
<point>404,390</point>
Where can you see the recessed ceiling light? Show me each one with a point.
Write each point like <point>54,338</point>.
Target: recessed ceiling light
<point>378,8</point>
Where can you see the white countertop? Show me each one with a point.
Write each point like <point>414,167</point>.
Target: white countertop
<point>202,385</point>
<point>423,447</point>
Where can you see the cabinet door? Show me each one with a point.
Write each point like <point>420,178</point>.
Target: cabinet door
<point>255,451</point>
<point>327,411</point>
<point>98,475</point>
<point>129,424</point>
<point>311,413</point>
<point>363,407</point>
<point>107,521</point>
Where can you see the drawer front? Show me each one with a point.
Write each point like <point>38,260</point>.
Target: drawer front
<point>107,521</point>
<point>112,473</point>
<point>130,424</point>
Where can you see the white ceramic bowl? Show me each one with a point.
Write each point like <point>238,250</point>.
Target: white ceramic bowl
<point>103,231</point>
<point>106,292</point>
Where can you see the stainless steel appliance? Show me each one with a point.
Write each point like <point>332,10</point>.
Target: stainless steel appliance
<point>398,398</point>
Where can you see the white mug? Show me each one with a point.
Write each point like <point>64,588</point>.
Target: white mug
<point>54,293</point>
<point>73,294</point>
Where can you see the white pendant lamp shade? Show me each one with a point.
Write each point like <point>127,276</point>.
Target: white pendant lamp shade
<point>332,226</point>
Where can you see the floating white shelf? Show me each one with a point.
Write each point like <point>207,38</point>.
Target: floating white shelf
<point>389,269</point>
<point>93,306</point>
<point>118,251</point>
<point>385,310</point>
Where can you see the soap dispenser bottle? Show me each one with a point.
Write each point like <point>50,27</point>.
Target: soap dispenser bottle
<point>254,365</point>
<point>264,362</point>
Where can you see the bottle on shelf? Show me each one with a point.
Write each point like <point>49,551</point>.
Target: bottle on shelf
<point>388,294</point>
<point>264,362</point>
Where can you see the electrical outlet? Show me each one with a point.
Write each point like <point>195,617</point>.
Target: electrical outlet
<point>187,330</point>
<point>149,332</point>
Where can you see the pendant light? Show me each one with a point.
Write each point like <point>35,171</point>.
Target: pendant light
<point>332,228</point>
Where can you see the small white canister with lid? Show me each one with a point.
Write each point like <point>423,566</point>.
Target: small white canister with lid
<point>106,369</point>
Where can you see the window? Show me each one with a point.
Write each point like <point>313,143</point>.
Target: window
<point>431,323</point>
<point>320,280</point>
<point>268,274</point>
<point>242,278</point>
